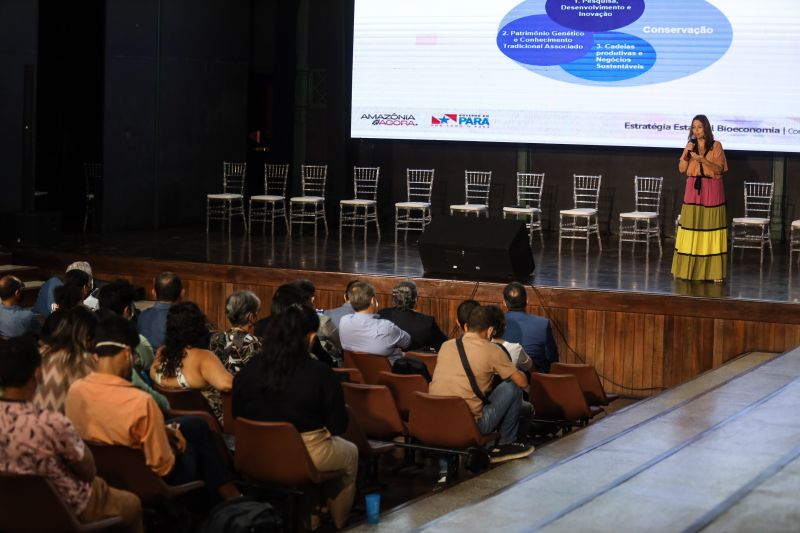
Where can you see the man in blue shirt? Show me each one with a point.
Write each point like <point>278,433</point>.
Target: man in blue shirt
<point>345,309</point>
<point>532,332</point>
<point>152,323</point>
<point>14,320</point>
<point>45,300</point>
<point>364,331</point>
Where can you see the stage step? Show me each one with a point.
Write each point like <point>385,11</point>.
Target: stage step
<point>25,273</point>
<point>711,451</point>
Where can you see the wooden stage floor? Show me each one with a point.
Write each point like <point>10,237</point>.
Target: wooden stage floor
<point>775,281</point>
<point>624,314</point>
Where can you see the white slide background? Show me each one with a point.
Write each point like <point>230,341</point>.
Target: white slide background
<point>416,62</point>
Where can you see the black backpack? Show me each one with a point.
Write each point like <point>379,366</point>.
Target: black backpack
<point>411,365</point>
<point>243,515</point>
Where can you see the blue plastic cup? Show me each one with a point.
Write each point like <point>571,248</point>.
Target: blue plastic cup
<point>373,502</point>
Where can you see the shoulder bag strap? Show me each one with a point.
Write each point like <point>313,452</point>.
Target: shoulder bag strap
<point>508,354</point>
<point>470,376</point>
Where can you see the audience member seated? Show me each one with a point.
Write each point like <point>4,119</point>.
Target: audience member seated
<point>425,333</point>
<point>74,291</point>
<point>284,297</point>
<point>513,349</point>
<point>40,442</point>
<point>532,332</point>
<point>45,300</point>
<point>117,298</point>
<point>364,331</point>
<point>501,410</point>
<point>184,362</point>
<point>105,407</point>
<point>346,308</point>
<point>285,384</point>
<point>328,333</point>
<point>65,355</point>
<point>237,345</point>
<point>14,320</point>
<point>152,323</point>
<point>462,313</point>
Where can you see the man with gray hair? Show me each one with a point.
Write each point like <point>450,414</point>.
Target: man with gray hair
<point>364,331</point>
<point>237,345</point>
<point>424,331</point>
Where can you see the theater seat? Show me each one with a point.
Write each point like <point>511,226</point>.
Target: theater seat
<point>403,387</point>
<point>428,358</point>
<point>445,421</point>
<point>559,400</point>
<point>124,468</point>
<point>369,364</point>
<point>185,399</point>
<point>273,452</point>
<point>32,504</point>
<point>445,425</point>
<point>588,380</point>
<point>375,409</point>
<point>353,374</point>
<point>370,451</point>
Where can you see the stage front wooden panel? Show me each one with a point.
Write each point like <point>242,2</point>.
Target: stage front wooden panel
<point>640,343</point>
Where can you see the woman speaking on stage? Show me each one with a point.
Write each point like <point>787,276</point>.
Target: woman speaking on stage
<point>701,246</point>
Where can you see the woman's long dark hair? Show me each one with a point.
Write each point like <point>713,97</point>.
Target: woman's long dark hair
<point>71,293</point>
<point>187,327</point>
<point>706,129</point>
<point>70,331</point>
<point>285,344</point>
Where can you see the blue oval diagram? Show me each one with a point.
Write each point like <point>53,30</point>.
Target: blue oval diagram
<point>537,40</point>
<point>671,44</point>
<point>595,16</point>
<point>614,57</point>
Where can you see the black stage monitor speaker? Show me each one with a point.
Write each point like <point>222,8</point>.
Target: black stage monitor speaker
<point>476,248</point>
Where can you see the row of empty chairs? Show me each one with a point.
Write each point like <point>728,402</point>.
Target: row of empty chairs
<point>577,223</point>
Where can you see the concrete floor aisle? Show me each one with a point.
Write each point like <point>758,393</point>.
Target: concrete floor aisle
<point>718,452</point>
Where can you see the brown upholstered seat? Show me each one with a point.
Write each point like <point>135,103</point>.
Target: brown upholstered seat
<point>369,364</point>
<point>445,421</point>
<point>375,410</point>
<point>353,374</point>
<point>588,380</point>
<point>559,399</point>
<point>274,452</point>
<point>32,504</point>
<point>403,387</point>
<point>428,358</point>
<point>368,450</point>
<point>125,468</point>
<point>185,399</point>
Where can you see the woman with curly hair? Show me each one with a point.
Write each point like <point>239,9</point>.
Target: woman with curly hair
<point>66,354</point>
<point>184,361</point>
